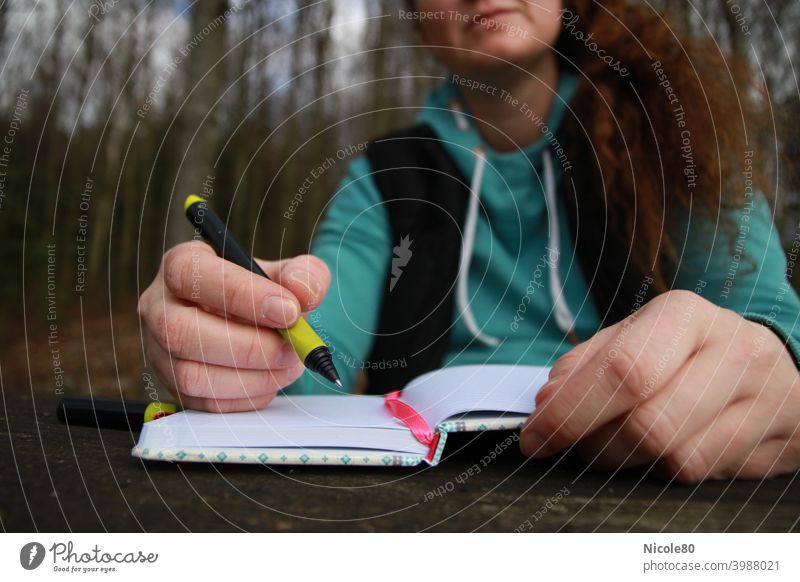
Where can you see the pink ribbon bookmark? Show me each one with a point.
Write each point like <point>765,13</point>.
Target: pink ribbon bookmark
<point>412,419</point>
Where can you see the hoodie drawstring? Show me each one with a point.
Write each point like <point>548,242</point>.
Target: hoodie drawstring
<point>563,316</point>
<point>467,247</point>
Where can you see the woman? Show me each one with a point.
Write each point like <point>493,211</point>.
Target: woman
<point>580,192</point>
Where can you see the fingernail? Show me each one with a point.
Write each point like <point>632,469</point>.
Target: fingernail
<point>279,310</point>
<point>309,283</point>
<point>288,357</point>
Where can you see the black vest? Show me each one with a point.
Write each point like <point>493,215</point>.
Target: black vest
<point>426,196</point>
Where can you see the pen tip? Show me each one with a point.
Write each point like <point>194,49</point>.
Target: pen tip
<point>338,383</point>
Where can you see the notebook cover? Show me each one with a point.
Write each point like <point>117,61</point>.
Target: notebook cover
<point>278,456</point>
<point>329,457</point>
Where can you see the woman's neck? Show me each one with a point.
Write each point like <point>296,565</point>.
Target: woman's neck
<point>504,118</point>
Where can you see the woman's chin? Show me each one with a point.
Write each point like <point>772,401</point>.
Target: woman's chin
<point>497,54</point>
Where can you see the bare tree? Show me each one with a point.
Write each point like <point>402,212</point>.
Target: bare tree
<point>198,121</point>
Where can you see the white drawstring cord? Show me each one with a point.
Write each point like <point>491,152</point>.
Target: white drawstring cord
<point>563,315</point>
<point>458,113</point>
<point>467,247</point>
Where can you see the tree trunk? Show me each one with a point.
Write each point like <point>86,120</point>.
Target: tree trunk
<point>198,127</point>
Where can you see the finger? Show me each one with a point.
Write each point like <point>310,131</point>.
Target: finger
<point>222,406</point>
<point>756,447</point>
<point>721,449</point>
<point>192,272</point>
<point>573,359</point>
<point>661,424</point>
<point>207,404</point>
<point>190,333</point>
<point>606,449</point>
<point>773,457</point>
<point>200,380</point>
<point>161,363</point>
<point>652,347</point>
<point>306,276</point>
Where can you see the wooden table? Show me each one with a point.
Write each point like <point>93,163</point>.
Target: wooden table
<point>58,478</point>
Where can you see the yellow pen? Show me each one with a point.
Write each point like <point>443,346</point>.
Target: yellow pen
<point>312,351</point>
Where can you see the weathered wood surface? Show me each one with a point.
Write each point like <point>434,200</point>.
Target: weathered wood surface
<point>58,478</point>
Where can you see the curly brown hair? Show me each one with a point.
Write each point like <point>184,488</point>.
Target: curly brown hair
<point>658,129</point>
<point>661,134</point>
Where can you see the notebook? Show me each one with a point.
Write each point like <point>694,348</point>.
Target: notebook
<point>403,428</point>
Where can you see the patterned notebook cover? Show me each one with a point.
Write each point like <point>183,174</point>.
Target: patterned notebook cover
<point>338,457</point>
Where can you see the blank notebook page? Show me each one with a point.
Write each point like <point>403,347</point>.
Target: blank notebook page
<point>448,392</point>
<point>289,421</point>
<point>346,421</point>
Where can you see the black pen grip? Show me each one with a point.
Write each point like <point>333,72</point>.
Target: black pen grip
<point>212,229</point>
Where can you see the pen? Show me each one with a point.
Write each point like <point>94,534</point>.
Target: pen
<point>311,350</point>
<point>106,413</point>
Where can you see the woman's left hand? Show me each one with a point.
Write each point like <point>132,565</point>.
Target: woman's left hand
<point>693,386</point>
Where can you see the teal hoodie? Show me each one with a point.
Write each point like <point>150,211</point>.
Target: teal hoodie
<point>524,288</point>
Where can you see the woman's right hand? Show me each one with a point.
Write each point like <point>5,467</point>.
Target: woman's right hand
<point>210,326</point>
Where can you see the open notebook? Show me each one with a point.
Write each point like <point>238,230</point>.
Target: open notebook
<point>401,428</point>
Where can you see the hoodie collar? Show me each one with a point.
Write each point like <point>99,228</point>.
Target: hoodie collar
<point>444,110</point>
